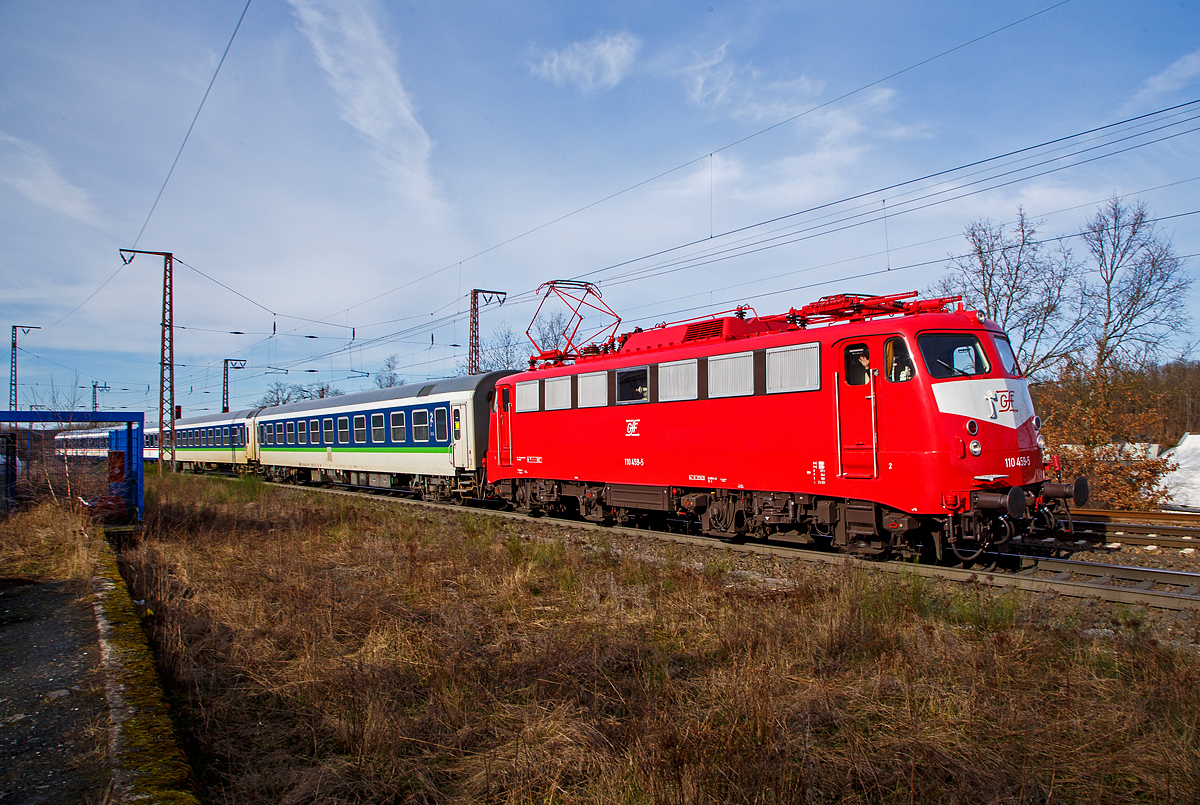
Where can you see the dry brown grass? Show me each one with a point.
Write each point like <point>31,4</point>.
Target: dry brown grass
<point>324,649</point>
<point>49,541</point>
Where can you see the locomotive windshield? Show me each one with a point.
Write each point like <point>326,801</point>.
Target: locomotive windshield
<point>1008,361</point>
<point>953,355</point>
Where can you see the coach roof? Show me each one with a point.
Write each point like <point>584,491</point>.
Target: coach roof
<point>405,392</point>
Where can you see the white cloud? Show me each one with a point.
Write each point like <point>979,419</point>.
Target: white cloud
<point>29,170</point>
<point>350,48</point>
<point>712,81</point>
<point>1181,74</point>
<point>600,63</point>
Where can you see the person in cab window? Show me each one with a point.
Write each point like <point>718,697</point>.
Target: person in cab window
<point>897,360</point>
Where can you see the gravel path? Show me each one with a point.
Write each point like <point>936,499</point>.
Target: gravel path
<point>52,706</point>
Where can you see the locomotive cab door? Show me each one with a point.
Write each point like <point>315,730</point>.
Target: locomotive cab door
<point>855,390</point>
<point>504,404</point>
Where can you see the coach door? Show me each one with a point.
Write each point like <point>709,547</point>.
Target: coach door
<point>504,411</point>
<point>857,418</point>
<point>461,445</point>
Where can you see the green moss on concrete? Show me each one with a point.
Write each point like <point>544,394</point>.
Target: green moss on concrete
<point>150,757</point>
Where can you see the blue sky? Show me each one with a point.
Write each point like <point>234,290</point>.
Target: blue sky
<point>359,166</point>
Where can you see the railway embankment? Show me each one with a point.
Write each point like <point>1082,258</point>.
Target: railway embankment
<point>324,647</point>
<point>83,716</point>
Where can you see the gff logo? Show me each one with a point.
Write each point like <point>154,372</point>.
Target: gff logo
<point>631,427</point>
<point>1002,401</point>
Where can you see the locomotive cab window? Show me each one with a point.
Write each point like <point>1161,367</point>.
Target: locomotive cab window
<point>1008,361</point>
<point>858,365</point>
<point>949,355</point>
<point>897,363</point>
<point>633,385</point>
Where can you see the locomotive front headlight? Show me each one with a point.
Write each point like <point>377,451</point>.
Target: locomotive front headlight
<point>1037,423</point>
<point>975,447</point>
<point>1041,442</point>
<point>972,427</point>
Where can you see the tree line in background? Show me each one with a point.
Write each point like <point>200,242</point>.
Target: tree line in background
<point>1092,327</point>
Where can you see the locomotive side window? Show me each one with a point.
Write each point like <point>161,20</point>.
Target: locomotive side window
<point>327,430</point>
<point>633,385</point>
<point>858,365</point>
<point>897,363</point>
<point>360,429</point>
<point>378,432</point>
<point>1008,361</point>
<point>558,393</point>
<point>677,381</point>
<point>397,426</point>
<point>507,403</point>
<point>953,355</point>
<point>593,390</point>
<point>420,420</point>
<point>343,430</point>
<point>528,396</point>
<point>796,368</point>
<point>440,430</point>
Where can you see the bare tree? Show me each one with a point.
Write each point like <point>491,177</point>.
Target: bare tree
<point>506,349</point>
<point>388,377</point>
<point>1034,293</point>
<point>1136,296</point>
<point>550,330</point>
<point>281,393</point>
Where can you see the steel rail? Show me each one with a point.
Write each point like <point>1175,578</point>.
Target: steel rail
<point>1029,573</point>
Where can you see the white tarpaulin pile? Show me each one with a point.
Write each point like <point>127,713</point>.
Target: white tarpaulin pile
<point>1184,483</point>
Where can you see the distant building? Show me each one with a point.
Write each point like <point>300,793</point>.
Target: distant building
<point>1184,482</point>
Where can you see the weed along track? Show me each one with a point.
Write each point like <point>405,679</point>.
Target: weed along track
<point>1164,589</point>
<point>335,648</point>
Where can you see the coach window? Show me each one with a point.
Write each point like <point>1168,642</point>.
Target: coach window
<point>270,433</point>
<point>279,433</point>
<point>633,385</point>
<point>897,363</point>
<point>420,425</point>
<point>360,429</point>
<point>314,431</point>
<point>301,432</point>
<point>327,430</point>
<point>225,436</point>
<point>440,431</point>
<point>457,425</point>
<point>397,427</point>
<point>262,434</point>
<point>858,365</point>
<point>343,430</point>
<point>291,433</point>
<point>378,431</point>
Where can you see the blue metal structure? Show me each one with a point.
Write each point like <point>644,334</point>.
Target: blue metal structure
<point>119,440</point>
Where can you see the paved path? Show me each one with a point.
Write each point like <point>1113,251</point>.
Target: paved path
<point>52,706</point>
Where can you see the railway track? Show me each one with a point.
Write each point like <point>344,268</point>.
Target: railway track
<point>1164,529</point>
<point>1162,589</point>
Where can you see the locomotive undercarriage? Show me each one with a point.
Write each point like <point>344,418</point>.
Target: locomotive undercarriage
<point>858,527</point>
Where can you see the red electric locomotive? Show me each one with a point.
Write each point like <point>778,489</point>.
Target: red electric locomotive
<point>882,424</point>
